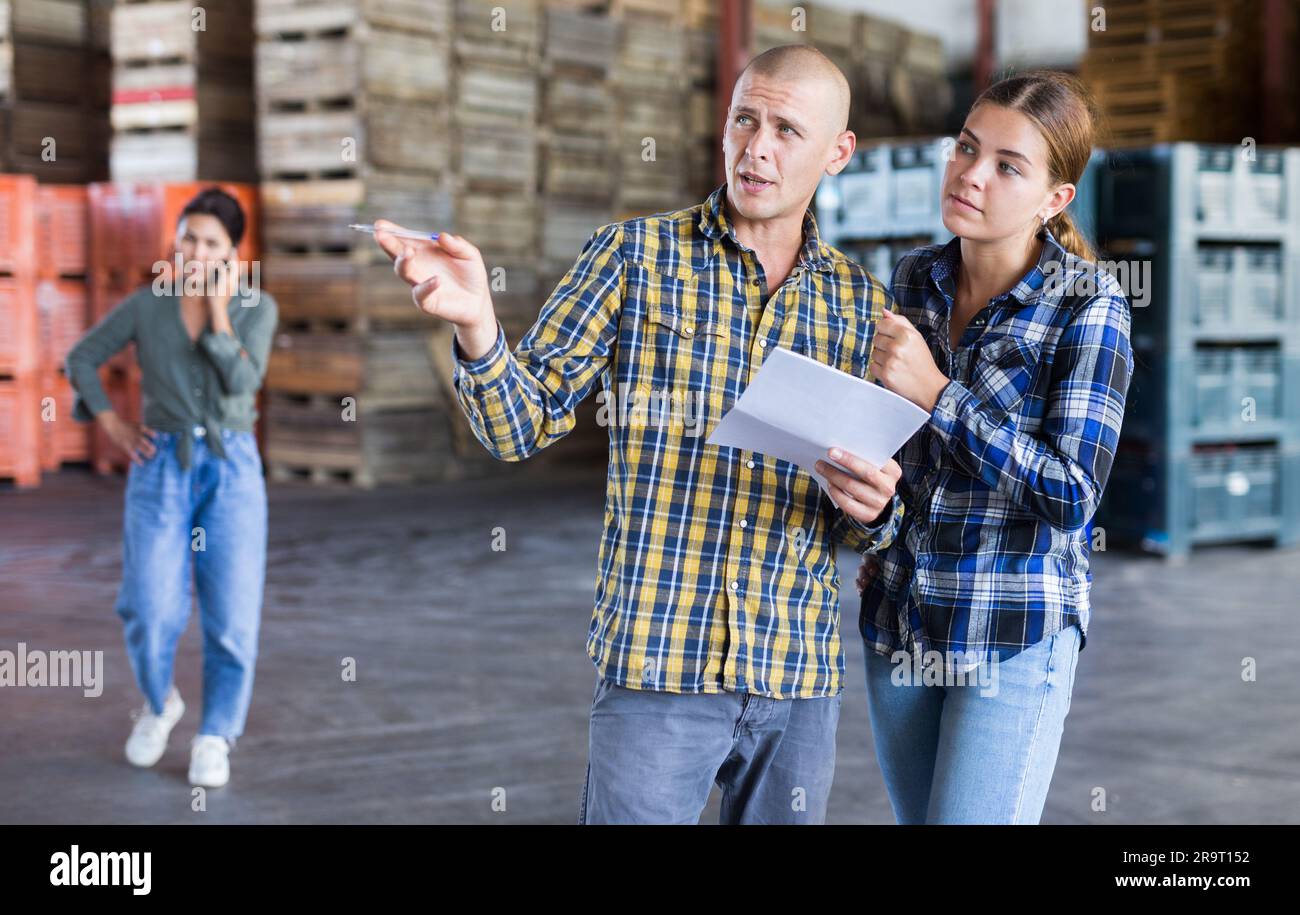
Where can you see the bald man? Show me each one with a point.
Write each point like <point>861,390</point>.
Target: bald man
<point>715,634</point>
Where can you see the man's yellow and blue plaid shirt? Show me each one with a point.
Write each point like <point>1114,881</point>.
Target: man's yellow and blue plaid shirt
<point>716,569</point>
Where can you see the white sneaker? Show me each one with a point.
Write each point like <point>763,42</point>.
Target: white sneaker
<point>209,761</point>
<point>148,738</point>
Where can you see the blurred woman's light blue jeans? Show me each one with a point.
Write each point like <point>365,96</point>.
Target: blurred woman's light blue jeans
<point>979,751</point>
<point>210,518</point>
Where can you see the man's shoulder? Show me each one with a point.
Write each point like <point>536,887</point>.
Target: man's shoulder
<point>666,242</point>
<point>848,270</point>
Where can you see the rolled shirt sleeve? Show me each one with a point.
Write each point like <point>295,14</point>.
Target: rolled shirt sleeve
<point>241,362</point>
<point>1060,472</point>
<point>518,403</point>
<point>99,344</point>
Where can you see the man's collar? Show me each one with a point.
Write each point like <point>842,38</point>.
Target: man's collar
<point>715,224</point>
<point>1026,290</point>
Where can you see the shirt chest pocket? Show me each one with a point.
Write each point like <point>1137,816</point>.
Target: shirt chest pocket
<point>832,342</point>
<point>686,342</point>
<point>1004,372</point>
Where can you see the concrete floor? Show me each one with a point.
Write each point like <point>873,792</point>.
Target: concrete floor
<point>472,674</point>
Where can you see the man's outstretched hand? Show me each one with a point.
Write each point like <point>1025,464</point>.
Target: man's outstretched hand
<point>448,280</point>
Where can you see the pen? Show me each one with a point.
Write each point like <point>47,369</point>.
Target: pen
<point>369,229</point>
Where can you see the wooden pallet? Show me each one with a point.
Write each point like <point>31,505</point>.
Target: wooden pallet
<point>492,94</point>
<point>57,143</point>
<point>379,134</point>
<point>182,154</point>
<point>335,67</point>
<point>505,31</point>
<point>581,40</point>
<point>296,19</point>
<point>387,369</point>
<point>495,159</point>
<point>61,22</point>
<point>323,440</point>
<point>302,217</point>
<point>578,165</point>
<point>501,223</point>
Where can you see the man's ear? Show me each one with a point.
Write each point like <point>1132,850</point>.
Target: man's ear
<point>845,144</point>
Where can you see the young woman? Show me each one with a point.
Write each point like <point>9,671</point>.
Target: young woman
<point>194,490</point>
<point>1019,349</point>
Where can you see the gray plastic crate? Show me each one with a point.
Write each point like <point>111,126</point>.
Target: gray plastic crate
<point>1236,387</point>
<point>1235,489</point>
<point>1237,288</point>
<point>1210,450</point>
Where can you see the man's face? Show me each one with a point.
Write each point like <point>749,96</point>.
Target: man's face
<point>779,141</point>
<point>203,242</point>
<point>997,182</point>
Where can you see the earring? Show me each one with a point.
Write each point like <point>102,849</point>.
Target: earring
<point>1044,220</point>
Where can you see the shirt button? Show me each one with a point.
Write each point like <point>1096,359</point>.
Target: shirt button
<point>744,523</point>
<point>688,330</point>
<point>735,586</point>
<point>762,342</point>
<point>757,282</point>
<point>749,464</point>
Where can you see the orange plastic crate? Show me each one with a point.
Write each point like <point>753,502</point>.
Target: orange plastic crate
<point>63,307</point>
<point>62,230</point>
<point>17,221</point>
<point>63,439</point>
<point>20,430</point>
<point>19,335</point>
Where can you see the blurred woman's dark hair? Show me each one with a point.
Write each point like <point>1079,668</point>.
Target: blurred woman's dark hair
<point>213,201</point>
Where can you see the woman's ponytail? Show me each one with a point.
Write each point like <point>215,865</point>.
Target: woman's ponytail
<point>1070,236</point>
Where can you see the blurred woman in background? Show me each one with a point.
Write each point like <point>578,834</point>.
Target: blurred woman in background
<point>194,491</point>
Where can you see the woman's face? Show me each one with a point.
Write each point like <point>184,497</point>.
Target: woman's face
<point>997,184</point>
<point>203,242</point>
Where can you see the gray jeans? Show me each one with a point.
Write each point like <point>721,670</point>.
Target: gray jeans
<point>654,756</point>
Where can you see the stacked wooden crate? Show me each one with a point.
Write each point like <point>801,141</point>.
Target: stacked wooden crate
<point>900,80</point>
<point>132,242</point>
<point>497,95</point>
<point>182,100</point>
<point>897,76</point>
<point>578,161</point>
<point>63,309</point>
<point>1167,70</point>
<point>48,95</point>
<point>700,21</point>
<point>652,96</point>
<point>20,410</point>
<point>354,124</point>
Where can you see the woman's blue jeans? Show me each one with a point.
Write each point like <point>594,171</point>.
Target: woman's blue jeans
<point>210,519</point>
<point>978,751</point>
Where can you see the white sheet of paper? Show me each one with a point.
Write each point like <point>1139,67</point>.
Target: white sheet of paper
<point>797,409</point>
